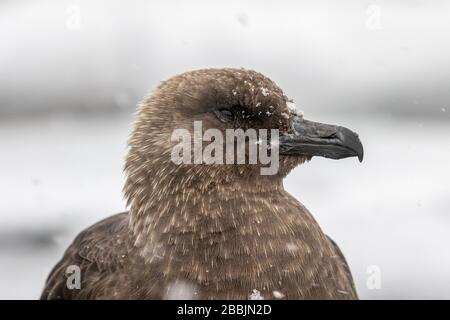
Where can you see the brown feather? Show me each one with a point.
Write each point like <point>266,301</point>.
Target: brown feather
<point>211,232</point>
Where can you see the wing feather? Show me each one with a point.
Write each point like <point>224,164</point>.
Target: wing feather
<point>100,252</point>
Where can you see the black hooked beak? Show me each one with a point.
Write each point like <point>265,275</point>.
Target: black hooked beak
<point>317,139</point>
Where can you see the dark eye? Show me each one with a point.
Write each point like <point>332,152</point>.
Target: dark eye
<point>224,115</point>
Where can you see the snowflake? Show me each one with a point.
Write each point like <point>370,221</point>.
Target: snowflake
<point>181,290</point>
<point>292,247</point>
<point>256,295</point>
<point>278,294</point>
<point>259,141</point>
<point>293,108</point>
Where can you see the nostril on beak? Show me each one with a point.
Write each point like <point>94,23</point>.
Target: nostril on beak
<point>330,136</point>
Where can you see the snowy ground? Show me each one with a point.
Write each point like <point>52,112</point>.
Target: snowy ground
<point>61,174</point>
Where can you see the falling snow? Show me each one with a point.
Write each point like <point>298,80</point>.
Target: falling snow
<point>256,295</point>
<point>278,294</point>
<point>294,109</point>
<point>291,247</point>
<point>181,290</point>
<point>259,141</point>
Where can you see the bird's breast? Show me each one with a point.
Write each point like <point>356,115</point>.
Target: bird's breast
<point>263,246</point>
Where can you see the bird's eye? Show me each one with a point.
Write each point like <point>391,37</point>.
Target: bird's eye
<point>225,115</point>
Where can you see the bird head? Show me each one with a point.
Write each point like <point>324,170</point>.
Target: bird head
<point>226,99</point>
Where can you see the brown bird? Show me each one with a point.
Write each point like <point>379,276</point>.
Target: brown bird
<point>212,231</point>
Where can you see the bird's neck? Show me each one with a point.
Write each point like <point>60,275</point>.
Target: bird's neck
<point>232,231</point>
<point>251,225</point>
<point>228,207</point>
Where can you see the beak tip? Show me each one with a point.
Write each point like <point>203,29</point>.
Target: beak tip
<point>360,152</point>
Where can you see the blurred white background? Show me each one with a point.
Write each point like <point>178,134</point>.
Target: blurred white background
<point>72,72</point>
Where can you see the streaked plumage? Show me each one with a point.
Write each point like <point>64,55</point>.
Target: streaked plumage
<point>205,232</point>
